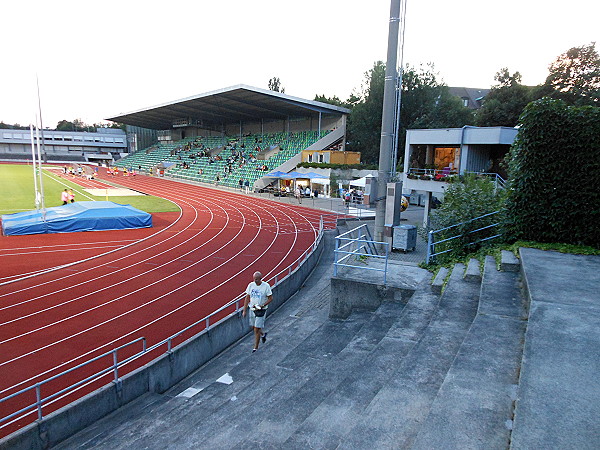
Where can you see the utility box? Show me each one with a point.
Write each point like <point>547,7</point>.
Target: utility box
<point>414,198</point>
<point>393,204</point>
<point>405,238</point>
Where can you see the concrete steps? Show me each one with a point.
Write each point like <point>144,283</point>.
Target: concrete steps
<point>474,407</point>
<point>436,372</point>
<point>394,416</point>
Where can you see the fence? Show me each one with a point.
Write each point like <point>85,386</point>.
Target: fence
<point>431,243</point>
<point>206,323</point>
<point>354,247</point>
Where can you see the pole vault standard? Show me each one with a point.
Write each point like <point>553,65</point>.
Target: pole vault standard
<point>34,166</point>
<point>388,118</point>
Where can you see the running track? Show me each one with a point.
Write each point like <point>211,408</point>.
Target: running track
<point>151,284</point>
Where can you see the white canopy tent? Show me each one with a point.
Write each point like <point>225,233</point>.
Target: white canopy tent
<point>361,182</point>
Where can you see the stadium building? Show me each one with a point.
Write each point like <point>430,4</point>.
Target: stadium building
<point>239,132</point>
<point>105,145</point>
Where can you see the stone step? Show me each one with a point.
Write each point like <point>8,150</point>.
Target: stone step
<point>482,382</point>
<point>298,375</point>
<point>101,432</point>
<point>501,292</point>
<point>306,400</point>
<point>438,282</point>
<point>509,262</point>
<point>338,413</point>
<point>473,273</point>
<point>393,418</point>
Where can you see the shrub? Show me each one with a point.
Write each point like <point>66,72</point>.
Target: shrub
<point>554,175</point>
<point>464,200</point>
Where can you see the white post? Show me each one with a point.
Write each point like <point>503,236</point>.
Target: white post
<point>35,186</point>
<point>41,183</point>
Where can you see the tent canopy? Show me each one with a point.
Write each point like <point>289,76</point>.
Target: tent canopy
<point>361,182</point>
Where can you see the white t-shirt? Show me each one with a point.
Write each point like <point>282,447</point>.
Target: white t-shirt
<point>258,294</point>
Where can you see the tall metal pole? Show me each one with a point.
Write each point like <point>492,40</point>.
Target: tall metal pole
<point>34,166</point>
<point>387,122</point>
<point>394,161</point>
<point>41,127</point>
<point>40,193</point>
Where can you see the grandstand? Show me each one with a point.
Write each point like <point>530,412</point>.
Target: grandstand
<point>229,158</point>
<point>235,133</point>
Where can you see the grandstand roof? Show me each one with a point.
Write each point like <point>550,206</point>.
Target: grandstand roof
<point>228,105</point>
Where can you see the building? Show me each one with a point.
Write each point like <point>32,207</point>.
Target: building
<point>330,157</point>
<point>471,98</point>
<point>433,156</point>
<point>106,144</point>
<point>233,111</point>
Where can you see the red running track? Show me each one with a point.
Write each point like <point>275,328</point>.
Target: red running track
<point>153,287</point>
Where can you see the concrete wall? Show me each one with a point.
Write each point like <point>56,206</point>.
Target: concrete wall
<point>157,376</point>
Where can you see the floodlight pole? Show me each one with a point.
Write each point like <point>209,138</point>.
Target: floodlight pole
<point>388,118</point>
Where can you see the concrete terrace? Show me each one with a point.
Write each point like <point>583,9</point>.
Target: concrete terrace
<point>486,364</point>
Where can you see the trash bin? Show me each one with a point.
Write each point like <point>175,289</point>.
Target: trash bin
<point>405,238</point>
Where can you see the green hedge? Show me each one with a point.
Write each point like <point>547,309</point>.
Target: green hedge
<point>554,173</point>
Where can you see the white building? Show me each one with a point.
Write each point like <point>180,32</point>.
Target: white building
<point>106,144</point>
<point>432,156</point>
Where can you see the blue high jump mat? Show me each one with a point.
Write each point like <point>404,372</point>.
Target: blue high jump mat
<point>78,216</point>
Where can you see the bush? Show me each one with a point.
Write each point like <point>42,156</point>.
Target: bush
<point>466,199</point>
<point>554,175</point>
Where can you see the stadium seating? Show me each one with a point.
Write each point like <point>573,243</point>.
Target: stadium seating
<point>280,146</point>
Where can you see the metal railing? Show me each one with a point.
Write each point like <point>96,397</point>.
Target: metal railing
<point>431,243</point>
<point>40,400</point>
<point>326,222</point>
<point>353,249</point>
<point>499,182</point>
<point>440,174</point>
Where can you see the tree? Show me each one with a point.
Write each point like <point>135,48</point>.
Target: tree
<point>505,102</point>
<point>575,76</point>
<point>15,126</point>
<point>76,125</point>
<point>426,103</point>
<point>364,123</point>
<point>332,101</point>
<point>275,85</point>
<point>464,200</point>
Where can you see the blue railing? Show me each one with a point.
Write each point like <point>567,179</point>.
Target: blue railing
<point>431,242</point>
<point>353,249</point>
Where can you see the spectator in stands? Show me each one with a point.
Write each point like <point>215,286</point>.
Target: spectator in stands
<point>258,296</point>
<point>64,196</point>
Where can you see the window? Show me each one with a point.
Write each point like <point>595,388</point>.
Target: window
<point>465,102</point>
<point>321,157</point>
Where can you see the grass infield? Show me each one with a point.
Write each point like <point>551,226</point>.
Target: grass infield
<point>17,193</point>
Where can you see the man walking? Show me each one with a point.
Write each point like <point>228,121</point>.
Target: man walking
<point>258,296</point>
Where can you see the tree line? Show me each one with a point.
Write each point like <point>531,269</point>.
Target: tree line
<point>573,77</point>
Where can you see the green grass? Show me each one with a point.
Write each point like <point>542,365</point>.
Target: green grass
<point>17,193</point>
<point>495,251</point>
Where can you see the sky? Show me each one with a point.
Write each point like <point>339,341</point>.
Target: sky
<point>97,59</point>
